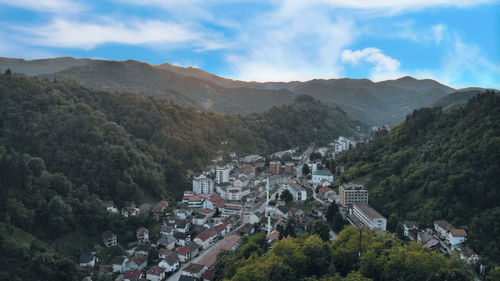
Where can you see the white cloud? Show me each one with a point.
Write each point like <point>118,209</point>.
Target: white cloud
<point>297,41</point>
<point>437,31</point>
<point>50,6</point>
<point>375,56</point>
<point>65,33</point>
<point>395,6</point>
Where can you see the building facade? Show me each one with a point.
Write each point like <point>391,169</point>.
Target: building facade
<point>222,174</point>
<point>203,185</point>
<point>368,216</point>
<point>350,193</point>
<point>274,167</point>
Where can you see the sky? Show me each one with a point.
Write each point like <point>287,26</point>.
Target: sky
<point>456,42</point>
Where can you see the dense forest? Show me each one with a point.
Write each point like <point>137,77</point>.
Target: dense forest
<point>438,165</point>
<point>310,258</point>
<point>65,148</point>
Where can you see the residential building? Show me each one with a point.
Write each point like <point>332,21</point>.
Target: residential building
<point>133,275</point>
<point>170,263</point>
<point>139,262</point>
<point>350,193</point>
<point>369,216</point>
<point>119,264</point>
<point>320,175</point>
<point>155,273</point>
<point>274,167</point>
<point>205,238</point>
<point>166,230</point>
<point>442,228</point>
<point>251,160</point>
<point>456,237</point>
<point>109,239</point>
<point>222,174</point>
<point>230,243</point>
<point>110,207</point>
<point>231,209</point>
<point>408,226</point>
<point>168,241</point>
<point>203,185</point>
<point>183,253</point>
<point>164,253</point>
<point>193,270</point>
<point>142,234</point>
<point>469,256</point>
<point>298,192</point>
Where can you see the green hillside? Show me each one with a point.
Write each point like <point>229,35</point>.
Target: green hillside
<point>438,165</point>
<point>65,148</point>
<point>309,258</point>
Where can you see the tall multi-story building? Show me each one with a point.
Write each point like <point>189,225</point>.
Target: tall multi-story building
<point>289,167</point>
<point>274,167</point>
<point>222,174</point>
<point>203,185</point>
<point>350,193</point>
<point>369,216</point>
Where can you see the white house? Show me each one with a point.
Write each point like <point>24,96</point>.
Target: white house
<point>119,264</point>
<point>442,228</point>
<point>170,263</point>
<point>456,236</point>
<point>320,175</point>
<point>110,207</point>
<point>231,209</point>
<point>205,238</point>
<point>155,273</point>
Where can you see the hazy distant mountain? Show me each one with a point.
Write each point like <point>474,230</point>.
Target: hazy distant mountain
<point>386,102</point>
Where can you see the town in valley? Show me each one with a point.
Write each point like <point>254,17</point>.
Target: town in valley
<point>282,195</point>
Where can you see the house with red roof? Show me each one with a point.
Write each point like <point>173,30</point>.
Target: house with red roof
<point>205,238</point>
<point>155,273</point>
<point>133,275</point>
<point>183,253</point>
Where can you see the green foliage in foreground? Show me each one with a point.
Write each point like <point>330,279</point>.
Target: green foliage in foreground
<point>311,258</point>
<point>438,165</point>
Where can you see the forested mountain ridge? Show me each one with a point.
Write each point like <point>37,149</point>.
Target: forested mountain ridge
<point>65,148</point>
<point>438,165</point>
<point>374,103</point>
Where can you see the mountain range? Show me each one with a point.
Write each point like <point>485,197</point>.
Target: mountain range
<point>374,103</point>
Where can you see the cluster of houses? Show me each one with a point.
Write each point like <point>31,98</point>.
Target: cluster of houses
<point>443,238</point>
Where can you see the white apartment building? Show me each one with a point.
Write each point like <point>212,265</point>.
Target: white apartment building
<point>350,193</point>
<point>222,174</point>
<point>368,216</point>
<point>203,185</point>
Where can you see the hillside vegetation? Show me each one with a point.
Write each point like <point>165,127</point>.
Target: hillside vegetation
<point>310,258</point>
<point>65,148</point>
<point>373,103</point>
<point>438,165</point>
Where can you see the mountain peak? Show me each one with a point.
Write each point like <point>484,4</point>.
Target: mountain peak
<point>304,99</point>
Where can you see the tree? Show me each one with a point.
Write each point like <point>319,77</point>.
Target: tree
<point>286,196</point>
<point>305,170</point>
<point>321,229</point>
<point>331,211</point>
<point>8,71</point>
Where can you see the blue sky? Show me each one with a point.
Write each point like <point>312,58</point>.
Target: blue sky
<point>456,42</point>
